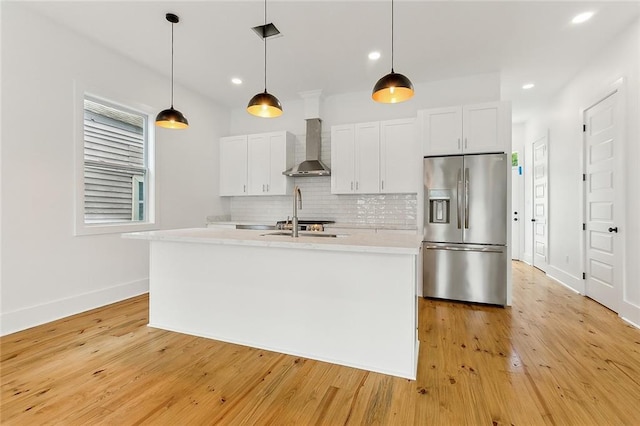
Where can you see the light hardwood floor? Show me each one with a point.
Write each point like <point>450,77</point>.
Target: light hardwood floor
<point>553,358</point>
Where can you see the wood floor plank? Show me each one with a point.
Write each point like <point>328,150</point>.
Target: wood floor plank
<point>553,358</point>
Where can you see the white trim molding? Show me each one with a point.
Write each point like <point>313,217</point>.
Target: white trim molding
<point>32,316</point>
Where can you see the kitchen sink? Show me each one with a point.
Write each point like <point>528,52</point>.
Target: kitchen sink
<point>258,227</point>
<point>302,234</point>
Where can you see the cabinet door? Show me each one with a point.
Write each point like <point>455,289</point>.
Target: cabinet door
<point>233,165</point>
<point>367,156</point>
<point>259,163</point>
<point>441,131</point>
<point>400,159</point>
<point>482,128</point>
<point>343,159</point>
<point>280,150</point>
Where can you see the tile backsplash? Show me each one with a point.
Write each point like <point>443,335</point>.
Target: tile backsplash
<point>374,210</point>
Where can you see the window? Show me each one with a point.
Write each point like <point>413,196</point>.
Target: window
<point>116,171</point>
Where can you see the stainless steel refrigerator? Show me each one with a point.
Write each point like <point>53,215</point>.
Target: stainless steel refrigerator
<point>465,228</point>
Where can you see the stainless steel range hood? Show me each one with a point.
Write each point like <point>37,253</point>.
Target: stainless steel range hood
<point>312,166</point>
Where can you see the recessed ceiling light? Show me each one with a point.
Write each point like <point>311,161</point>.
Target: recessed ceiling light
<point>374,55</point>
<point>528,86</point>
<point>236,80</point>
<point>583,17</point>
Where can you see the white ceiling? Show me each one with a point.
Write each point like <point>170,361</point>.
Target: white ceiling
<point>324,44</point>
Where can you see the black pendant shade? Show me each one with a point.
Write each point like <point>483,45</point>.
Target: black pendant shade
<point>172,118</point>
<point>265,105</point>
<point>393,87</point>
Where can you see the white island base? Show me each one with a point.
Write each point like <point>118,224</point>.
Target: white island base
<point>349,301</point>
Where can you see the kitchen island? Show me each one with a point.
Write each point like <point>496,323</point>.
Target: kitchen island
<point>349,300</point>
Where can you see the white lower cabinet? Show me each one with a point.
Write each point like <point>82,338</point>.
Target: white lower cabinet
<point>375,157</point>
<point>253,164</point>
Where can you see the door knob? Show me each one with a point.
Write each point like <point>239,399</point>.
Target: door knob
<point>533,220</point>
<point>515,219</point>
<point>614,229</point>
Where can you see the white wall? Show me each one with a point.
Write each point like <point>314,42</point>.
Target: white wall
<point>517,145</point>
<point>563,121</point>
<point>47,272</point>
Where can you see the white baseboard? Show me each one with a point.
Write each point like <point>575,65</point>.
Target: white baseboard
<point>573,283</point>
<point>630,313</point>
<point>526,258</point>
<point>21,319</point>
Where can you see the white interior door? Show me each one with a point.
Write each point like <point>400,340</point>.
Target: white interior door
<point>603,203</point>
<point>540,203</point>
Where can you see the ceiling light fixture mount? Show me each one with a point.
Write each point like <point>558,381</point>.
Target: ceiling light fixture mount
<point>393,87</point>
<point>172,118</point>
<point>264,104</point>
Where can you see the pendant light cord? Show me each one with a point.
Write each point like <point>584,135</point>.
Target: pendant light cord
<point>264,37</point>
<point>172,65</point>
<point>392,36</point>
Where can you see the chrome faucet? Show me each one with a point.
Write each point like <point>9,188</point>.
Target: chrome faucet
<point>297,204</point>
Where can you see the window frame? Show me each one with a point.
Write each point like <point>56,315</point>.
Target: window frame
<point>151,206</point>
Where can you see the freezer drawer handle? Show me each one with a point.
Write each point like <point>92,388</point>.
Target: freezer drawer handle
<point>483,250</point>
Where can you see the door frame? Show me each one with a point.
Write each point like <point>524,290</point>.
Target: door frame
<point>620,116</point>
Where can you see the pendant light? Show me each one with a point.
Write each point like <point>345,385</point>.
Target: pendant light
<point>393,87</point>
<point>264,104</point>
<point>172,118</point>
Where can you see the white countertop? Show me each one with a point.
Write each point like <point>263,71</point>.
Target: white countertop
<point>367,243</point>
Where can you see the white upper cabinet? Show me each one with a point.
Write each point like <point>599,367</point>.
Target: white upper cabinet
<point>441,130</point>
<point>400,159</point>
<point>253,164</point>
<point>376,157</point>
<point>233,165</point>
<point>343,157</point>
<point>468,129</point>
<point>355,158</point>
<point>270,154</point>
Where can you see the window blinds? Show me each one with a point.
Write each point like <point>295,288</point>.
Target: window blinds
<point>113,155</point>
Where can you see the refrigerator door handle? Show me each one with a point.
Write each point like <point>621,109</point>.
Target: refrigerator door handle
<point>458,200</point>
<point>466,198</point>
<point>454,248</point>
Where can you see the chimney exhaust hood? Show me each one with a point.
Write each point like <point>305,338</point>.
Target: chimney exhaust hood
<point>312,166</point>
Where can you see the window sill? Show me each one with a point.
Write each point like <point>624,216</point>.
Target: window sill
<point>114,228</point>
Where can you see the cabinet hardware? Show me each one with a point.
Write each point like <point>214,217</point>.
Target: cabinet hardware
<point>244,188</point>
<point>459,144</point>
<point>465,143</point>
<point>614,229</point>
<point>383,184</point>
<point>352,185</point>
<point>357,185</point>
